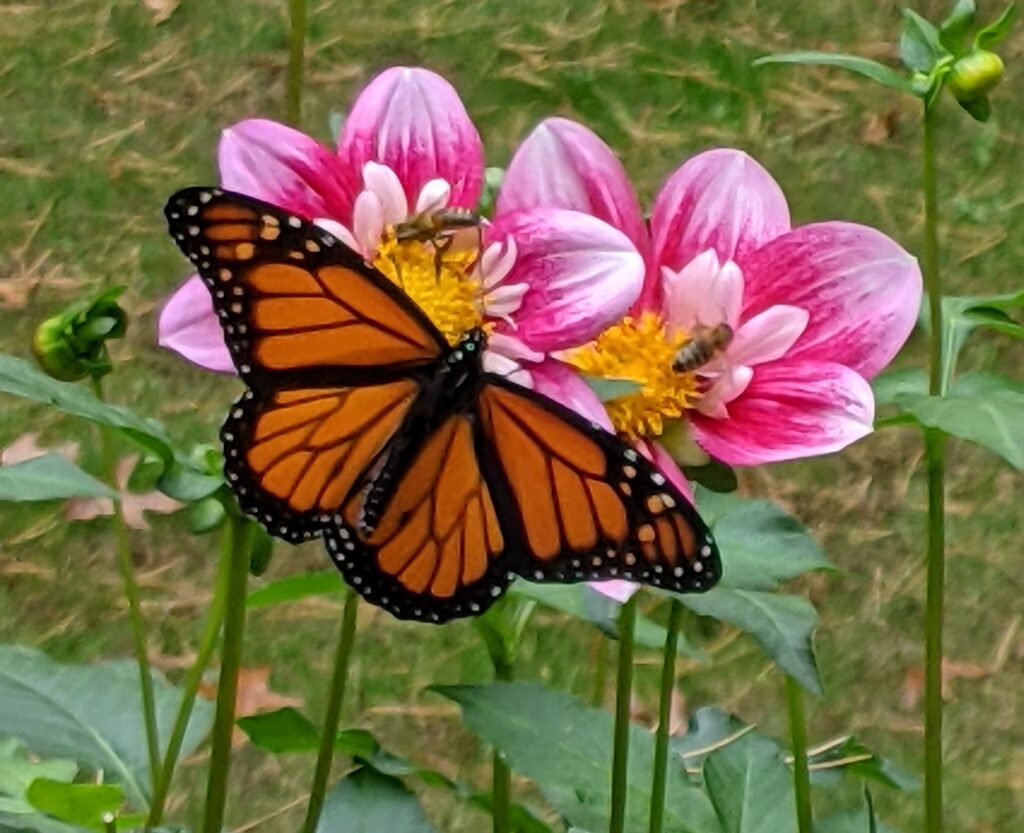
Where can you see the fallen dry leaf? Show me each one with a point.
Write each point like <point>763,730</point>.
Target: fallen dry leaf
<point>133,505</point>
<point>254,697</point>
<point>161,9</point>
<point>913,681</point>
<point>26,447</point>
<point>880,127</point>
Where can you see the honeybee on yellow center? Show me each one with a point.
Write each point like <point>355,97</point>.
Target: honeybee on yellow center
<point>440,228</point>
<point>703,346</point>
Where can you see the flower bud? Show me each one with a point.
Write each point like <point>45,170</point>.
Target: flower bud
<point>72,344</point>
<point>975,75</point>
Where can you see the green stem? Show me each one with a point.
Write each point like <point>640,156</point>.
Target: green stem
<point>227,685</point>
<point>935,452</point>
<point>623,693</point>
<point>501,793</point>
<point>668,681</point>
<point>131,592</point>
<point>798,739</point>
<point>296,59</point>
<point>207,645</point>
<point>335,700</point>
<point>601,650</point>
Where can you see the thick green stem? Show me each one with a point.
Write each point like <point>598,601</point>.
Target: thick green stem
<point>501,792</point>
<point>296,60</point>
<point>227,685</point>
<point>335,700</point>
<point>623,694</point>
<point>131,592</point>
<point>207,645</point>
<point>935,450</point>
<point>668,682</point>
<point>601,650</point>
<point>798,739</point>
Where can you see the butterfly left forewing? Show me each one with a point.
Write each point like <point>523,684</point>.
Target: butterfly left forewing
<point>586,505</point>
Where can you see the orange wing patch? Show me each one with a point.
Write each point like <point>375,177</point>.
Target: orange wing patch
<point>306,449</point>
<point>439,533</point>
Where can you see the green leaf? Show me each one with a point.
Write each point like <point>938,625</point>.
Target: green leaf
<point>588,605</point>
<point>715,476</point>
<point>709,729</point>
<point>961,315</point>
<point>761,545</point>
<point>17,773</point>
<point>877,72</point>
<point>261,550</point>
<point>992,34</point>
<point>955,27</point>
<point>854,821</point>
<point>185,483</point>
<point>206,515</point>
<point>850,757</point>
<point>365,801</point>
<point>609,389</point>
<point>982,408</point>
<point>281,732</point>
<point>565,748</point>
<point>83,805</point>
<point>91,714</point>
<point>50,477</point>
<point>19,378</point>
<point>751,787</point>
<point>781,625</point>
<point>297,588</point>
<point>889,387</point>
<point>920,44</point>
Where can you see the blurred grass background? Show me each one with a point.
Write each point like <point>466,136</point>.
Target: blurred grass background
<point>107,107</point>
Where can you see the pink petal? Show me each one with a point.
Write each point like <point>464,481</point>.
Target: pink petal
<point>721,200</point>
<point>768,335</point>
<point>413,121</point>
<point>583,275</point>
<point>562,164</point>
<point>861,288</point>
<point>275,163</point>
<point>704,293</point>
<point>188,326</point>
<point>790,409</point>
<point>561,383</point>
<point>616,589</point>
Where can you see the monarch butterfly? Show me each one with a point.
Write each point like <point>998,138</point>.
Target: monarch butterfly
<point>432,482</point>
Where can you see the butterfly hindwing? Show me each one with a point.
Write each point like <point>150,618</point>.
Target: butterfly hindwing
<point>586,505</point>
<point>438,550</point>
<point>294,302</point>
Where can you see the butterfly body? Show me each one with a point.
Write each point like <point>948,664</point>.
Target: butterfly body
<point>432,481</point>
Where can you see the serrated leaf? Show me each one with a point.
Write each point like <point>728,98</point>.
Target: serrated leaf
<point>782,625</point>
<point>956,26</point>
<point>365,801</point>
<point>982,408</point>
<point>91,714</point>
<point>19,378</point>
<point>761,545</point>
<point>997,30</point>
<point>751,787</point>
<point>565,748</point>
<point>588,605</point>
<point>49,477</point>
<point>83,805</point>
<point>920,44</point>
<point>879,73</point>
<point>297,588</point>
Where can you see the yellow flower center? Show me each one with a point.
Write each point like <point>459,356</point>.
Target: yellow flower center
<point>640,351</point>
<point>441,283</point>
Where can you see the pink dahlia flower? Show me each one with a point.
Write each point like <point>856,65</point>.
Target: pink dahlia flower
<point>546,278</point>
<point>814,312</point>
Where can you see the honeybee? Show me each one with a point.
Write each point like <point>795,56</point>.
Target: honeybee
<point>703,346</point>
<point>437,227</point>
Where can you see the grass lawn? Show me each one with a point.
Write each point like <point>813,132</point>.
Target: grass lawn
<point>106,111</point>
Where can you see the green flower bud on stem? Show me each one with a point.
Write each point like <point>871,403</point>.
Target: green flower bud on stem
<point>72,345</point>
<point>975,75</point>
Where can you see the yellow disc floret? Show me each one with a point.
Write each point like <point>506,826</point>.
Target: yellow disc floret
<point>640,350</point>
<point>440,283</point>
